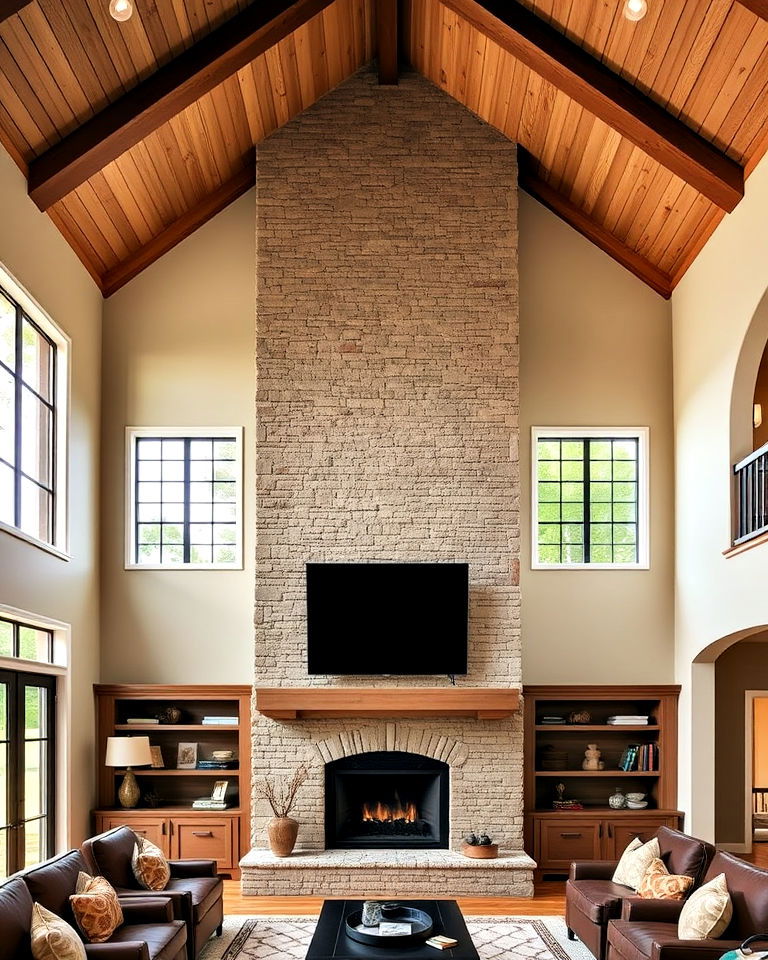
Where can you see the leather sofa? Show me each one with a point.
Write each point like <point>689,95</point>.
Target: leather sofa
<point>148,933</point>
<point>592,899</point>
<point>195,889</point>
<point>647,929</point>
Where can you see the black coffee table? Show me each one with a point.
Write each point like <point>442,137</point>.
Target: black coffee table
<point>331,942</point>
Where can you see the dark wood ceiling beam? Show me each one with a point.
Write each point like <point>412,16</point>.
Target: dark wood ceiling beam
<point>165,93</point>
<point>758,7</point>
<point>575,217</point>
<point>9,7</point>
<point>606,95</point>
<point>387,40</point>
<point>179,230</point>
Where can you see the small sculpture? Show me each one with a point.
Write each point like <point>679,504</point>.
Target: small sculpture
<point>579,716</point>
<point>592,759</point>
<point>171,714</point>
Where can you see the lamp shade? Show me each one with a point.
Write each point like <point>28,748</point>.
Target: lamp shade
<point>128,752</point>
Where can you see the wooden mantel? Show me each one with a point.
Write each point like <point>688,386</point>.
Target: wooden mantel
<point>317,703</point>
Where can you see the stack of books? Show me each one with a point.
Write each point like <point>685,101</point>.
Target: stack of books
<point>555,720</point>
<point>220,721</point>
<point>642,757</point>
<point>205,803</point>
<point>142,720</point>
<point>631,720</point>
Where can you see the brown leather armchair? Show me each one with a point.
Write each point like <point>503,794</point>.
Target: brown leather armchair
<point>592,899</point>
<point>647,929</point>
<point>195,889</point>
<point>148,933</point>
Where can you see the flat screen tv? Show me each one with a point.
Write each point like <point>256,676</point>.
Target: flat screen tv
<point>387,618</point>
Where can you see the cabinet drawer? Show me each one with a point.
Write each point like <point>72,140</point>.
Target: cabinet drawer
<point>620,832</point>
<point>206,838</point>
<point>560,842</point>
<point>155,830</point>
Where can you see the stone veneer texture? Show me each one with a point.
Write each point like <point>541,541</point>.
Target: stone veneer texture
<point>387,405</point>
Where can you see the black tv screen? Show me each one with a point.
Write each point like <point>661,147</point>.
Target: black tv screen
<point>387,618</point>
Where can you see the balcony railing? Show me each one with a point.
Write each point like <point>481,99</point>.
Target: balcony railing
<point>752,495</point>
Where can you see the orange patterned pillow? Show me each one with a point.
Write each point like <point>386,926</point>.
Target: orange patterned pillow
<point>659,884</point>
<point>96,908</point>
<point>149,865</point>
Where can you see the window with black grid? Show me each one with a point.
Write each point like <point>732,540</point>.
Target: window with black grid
<point>186,510</point>
<point>588,500</point>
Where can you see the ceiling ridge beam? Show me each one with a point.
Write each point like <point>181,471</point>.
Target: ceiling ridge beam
<point>607,96</point>
<point>9,7</point>
<point>758,7</point>
<point>165,93</point>
<point>178,230</point>
<point>581,221</point>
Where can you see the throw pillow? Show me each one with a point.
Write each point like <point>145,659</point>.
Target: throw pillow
<point>635,860</point>
<point>52,938</point>
<point>707,912</point>
<point>659,884</point>
<point>96,908</point>
<point>149,865</point>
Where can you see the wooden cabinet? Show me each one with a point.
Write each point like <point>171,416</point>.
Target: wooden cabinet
<point>556,837</point>
<point>168,819</point>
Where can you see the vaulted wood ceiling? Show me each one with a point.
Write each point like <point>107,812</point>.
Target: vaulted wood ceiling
<point>133,134</point>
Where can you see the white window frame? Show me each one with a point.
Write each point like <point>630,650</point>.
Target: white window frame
<point>642,435</point>
<point>132,434</point>
<point>59,547</point>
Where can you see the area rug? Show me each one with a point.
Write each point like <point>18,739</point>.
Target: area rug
<point>496,938</point>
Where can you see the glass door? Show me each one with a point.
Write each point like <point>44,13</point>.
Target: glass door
<point>27,768</point>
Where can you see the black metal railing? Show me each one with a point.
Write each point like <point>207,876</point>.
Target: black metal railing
<point>752,495</point>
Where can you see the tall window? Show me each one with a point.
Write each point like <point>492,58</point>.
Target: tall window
<point>32,418</point>
<point>185,498</point>
<point>590,498</point>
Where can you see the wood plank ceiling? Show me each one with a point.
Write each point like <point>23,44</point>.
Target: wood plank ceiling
<point>640,183</point>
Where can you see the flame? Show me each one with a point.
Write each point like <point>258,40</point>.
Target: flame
<point>384,813</point>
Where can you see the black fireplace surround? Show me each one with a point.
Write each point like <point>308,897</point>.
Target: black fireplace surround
<point>386,800</point>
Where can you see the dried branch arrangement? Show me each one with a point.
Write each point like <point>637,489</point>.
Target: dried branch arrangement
<point>281,796</point>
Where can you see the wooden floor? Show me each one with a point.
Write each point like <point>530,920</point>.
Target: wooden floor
<point>548,900</point>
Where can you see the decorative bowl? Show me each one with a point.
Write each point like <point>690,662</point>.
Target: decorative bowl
<point>636,797</point>
<point>634,805</point>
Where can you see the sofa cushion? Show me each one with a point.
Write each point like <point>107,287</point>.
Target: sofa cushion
<point>53,938</point>
<point>15,920</point>
<point>748,887</point>
<point>53,881</point>
<point>659,884</point>
<point>683,854</point>
<point>96,908</point>
<point>598,900</point>
<point>164,940</point>
<point>634,862</point>
<point>205,892</point>
<point>634,941</point>
<point>149,865</point>
<point>112,853</point>
<point>707,912</point>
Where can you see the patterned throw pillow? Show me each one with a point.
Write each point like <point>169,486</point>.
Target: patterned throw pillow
<point>635,860</point>
<point>707,912</point>
<point>659,884</point>
<point>52,938</point>
<point>96,908</point>
<point>149,865</point>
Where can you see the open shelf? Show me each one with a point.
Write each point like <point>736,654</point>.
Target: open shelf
<point>597,773</point>
<point>177,727</point>
<point>173,772</point>
<point>596,727</point>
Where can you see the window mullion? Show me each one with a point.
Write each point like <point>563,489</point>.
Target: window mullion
<point>17,422</point>
<point>587,501</point>
<point>187,473</point>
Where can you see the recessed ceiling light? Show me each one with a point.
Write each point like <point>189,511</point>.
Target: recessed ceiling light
<point>121,10</point>
<point>635,9</point>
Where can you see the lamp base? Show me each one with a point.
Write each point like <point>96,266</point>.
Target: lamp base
<point>129,793</point>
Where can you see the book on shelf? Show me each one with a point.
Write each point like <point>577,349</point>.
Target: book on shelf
<point>205,803</point>
<point>219,721</point>
<point>643,757</point>
<point>142,720</point>
<point>633,720</point>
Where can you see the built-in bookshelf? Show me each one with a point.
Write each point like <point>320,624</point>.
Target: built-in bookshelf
<point>165,813</point>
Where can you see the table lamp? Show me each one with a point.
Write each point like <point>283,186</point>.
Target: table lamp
<point>128,752</point>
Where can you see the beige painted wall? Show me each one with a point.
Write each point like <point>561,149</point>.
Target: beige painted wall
<point>595,350</point>
<point>760,434</point>
<point>32,249</point>
<point>178,351</point>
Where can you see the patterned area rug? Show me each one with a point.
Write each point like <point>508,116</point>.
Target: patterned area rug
<point>496,938</point>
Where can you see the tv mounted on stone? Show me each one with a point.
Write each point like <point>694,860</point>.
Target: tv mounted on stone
<point>375,619</point>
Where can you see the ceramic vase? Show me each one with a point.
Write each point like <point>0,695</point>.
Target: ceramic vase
<point>282,833</point>
<point>617,801</point>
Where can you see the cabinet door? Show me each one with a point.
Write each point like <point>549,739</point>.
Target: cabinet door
<point>155,829</point>
<point>205,838</point>
<point>620,832</point>
<point>561,841</point>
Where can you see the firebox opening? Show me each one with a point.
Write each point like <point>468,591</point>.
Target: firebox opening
<point>386,799</point>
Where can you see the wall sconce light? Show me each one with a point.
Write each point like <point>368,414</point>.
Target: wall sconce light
<point>757,415</point>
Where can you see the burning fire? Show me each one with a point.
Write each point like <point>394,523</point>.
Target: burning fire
<point>384,813</point>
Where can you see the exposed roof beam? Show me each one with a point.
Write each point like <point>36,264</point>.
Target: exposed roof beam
<point>758,7</point>
<point>611,98</point>
<point>165,93</point>
<point>574,216</point>
<point>9,7</point>
<point>387,39</point>
<point>178,230</point>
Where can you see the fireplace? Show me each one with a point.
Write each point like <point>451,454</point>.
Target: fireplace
<point>386,799</point>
